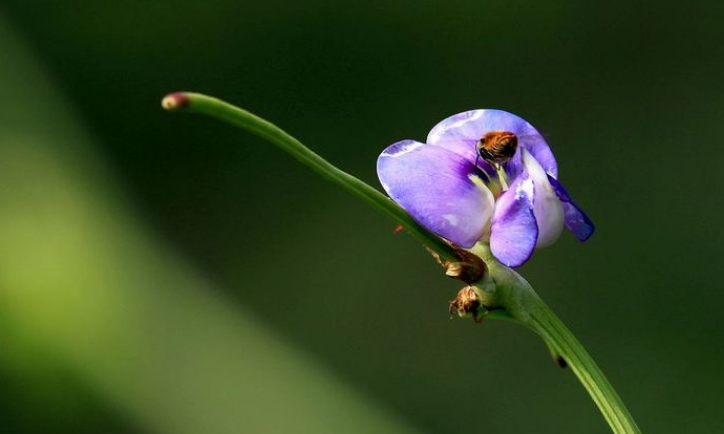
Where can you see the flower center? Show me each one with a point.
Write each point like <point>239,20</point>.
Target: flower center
<point>497,147</point>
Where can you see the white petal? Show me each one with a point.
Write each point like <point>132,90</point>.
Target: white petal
<point>546,205</point>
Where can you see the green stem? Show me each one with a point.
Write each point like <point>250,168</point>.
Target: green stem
<point>198,103</point>
<point>502,290</point>
<point>506,289</point>
<point>552,329</point>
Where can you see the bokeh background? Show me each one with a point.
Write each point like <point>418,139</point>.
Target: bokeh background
<point>164,273</point>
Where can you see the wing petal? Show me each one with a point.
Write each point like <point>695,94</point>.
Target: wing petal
<point>440,189</point>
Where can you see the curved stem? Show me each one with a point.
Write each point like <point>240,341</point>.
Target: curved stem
<point>506,289</point>
<point>553,331</point>
<point>198,103</point>
<point>502,290</point>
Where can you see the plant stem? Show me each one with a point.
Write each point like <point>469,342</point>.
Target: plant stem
<point>552,330</point>
<point>502,290</point>
<point>198,103</point>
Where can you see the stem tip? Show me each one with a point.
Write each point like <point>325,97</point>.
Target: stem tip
<point>175,101</point>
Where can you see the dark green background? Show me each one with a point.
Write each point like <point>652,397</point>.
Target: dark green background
<point>629,95</point>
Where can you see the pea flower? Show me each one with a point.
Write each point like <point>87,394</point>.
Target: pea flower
<point>483,175</point>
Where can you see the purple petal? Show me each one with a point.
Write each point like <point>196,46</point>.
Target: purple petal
<point>459,133</point>
<point>575,219</point>
<point>439,189</point>
<point>514,232</point>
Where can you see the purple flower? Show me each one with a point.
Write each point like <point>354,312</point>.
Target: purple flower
<point>483,175</point>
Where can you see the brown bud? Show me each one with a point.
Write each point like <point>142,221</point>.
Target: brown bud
<point>466,303</point>
<point>465,271</point>
<point>470,269</point>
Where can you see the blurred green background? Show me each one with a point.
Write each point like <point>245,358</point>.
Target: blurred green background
<point>164,273</point>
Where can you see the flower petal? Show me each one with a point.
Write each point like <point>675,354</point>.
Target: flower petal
<point>514,232</point>
<point>440,189</point>
<point>546,206</point>
<point>459,133</point>
<point>575,219</point>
